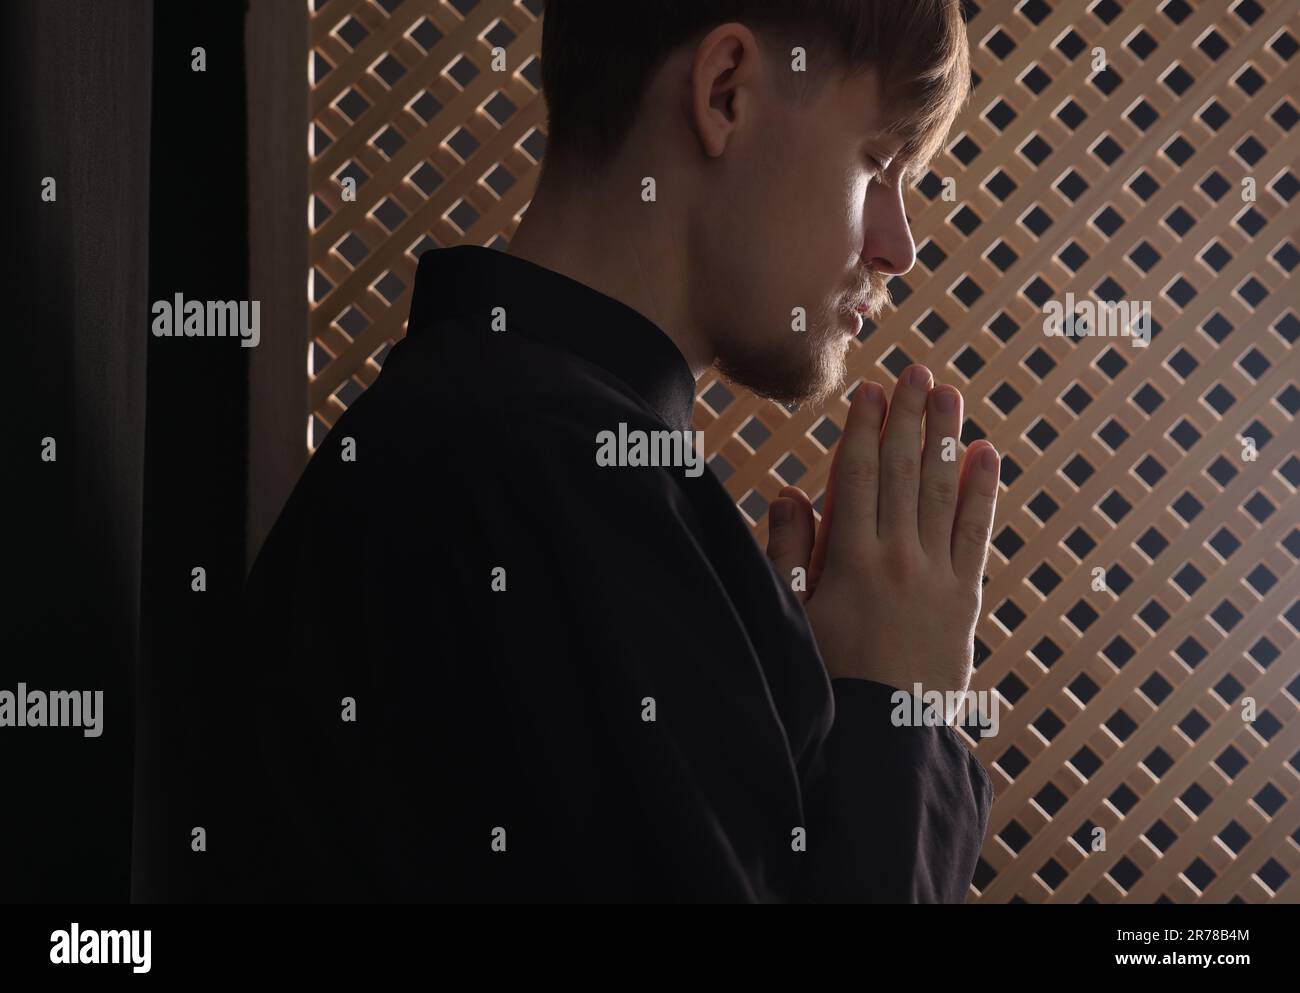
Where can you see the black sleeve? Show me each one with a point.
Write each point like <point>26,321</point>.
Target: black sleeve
<point>700,803</point>
<point>896,814</point>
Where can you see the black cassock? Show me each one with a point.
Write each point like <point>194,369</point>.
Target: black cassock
<point>641,713</point>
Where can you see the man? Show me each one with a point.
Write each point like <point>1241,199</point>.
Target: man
<point>495,654</point>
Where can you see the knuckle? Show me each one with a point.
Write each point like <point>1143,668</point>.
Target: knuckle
<point>965,596</point>
<point>860,473</point>
<point>900,560</point>
<point>974,531</point>
<point>939,488</point>
<point>901,463</point>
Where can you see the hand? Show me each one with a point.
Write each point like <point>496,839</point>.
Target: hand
<point>895,570</point>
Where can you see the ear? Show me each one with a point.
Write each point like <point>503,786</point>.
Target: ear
<point>724,73</point>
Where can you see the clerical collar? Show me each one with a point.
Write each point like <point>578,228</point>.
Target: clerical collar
<point>548,306</point>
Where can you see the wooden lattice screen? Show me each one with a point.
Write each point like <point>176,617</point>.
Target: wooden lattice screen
<point>1122,709</point>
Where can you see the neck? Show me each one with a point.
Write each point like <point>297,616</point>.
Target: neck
<point>618,245</point>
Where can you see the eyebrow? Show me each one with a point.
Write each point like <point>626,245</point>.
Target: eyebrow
<point>909,168</point>
<point>900,134</point>
<point>913,162</point>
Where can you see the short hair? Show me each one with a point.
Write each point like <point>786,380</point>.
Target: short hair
<point>599,56</point>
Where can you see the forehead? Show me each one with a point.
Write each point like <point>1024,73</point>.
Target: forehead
<point>909,134</point>
<point>859,96</point>
<point>868,114</point>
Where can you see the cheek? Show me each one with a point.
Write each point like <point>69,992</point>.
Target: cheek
<point>852,204</point>
<point>835,219</point>
<point>794,239</point>
<point>840,229</point>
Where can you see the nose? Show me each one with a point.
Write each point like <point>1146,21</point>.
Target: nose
<point>889,247</point>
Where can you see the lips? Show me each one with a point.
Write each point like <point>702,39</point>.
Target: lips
<point>871,298</point>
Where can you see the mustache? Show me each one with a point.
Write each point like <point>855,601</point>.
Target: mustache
<point>874,296</point>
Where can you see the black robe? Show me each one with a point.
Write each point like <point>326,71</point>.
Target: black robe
<point>500,746</point>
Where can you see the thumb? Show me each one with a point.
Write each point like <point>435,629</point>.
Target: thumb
<point>791,527</point>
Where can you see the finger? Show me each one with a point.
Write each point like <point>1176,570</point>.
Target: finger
<point>900,455</point>
<point>975,507</point>
<point>938,494</point>
<point>818,562</point>
<point>790,538</point>
<point>852,489</point>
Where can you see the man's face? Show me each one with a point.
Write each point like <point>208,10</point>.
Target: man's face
<point>808,214</point>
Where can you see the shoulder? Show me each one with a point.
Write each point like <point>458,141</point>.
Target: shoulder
<point>458,384</point>
<point>459,367</point>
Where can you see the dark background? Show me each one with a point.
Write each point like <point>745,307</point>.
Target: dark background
<point>150,159</point>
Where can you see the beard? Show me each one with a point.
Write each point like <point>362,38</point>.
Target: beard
<point>804,368</point>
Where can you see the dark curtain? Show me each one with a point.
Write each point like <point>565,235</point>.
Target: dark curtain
<point>195,496</point>
<point>149,158</point>
<point>79,74</point>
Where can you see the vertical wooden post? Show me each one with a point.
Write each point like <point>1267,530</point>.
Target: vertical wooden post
<point>277,165</point>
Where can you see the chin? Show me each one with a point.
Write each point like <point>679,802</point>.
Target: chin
<point>810,374</point>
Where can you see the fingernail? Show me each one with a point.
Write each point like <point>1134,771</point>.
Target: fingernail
<point>866,393</point>
<point>946,400</point>
<point>988,460</point>
<point>919,378</point>
<point>782,511</point>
